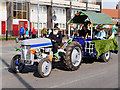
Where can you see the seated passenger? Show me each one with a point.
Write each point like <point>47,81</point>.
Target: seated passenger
<point>101,34</point>
<point>83,32</point>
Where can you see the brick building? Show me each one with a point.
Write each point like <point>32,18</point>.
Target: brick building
<point>114,14</point>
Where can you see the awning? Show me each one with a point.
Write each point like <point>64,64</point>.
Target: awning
<point>88,17</point>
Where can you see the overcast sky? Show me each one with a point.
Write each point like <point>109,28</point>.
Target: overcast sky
<point>109,4</point>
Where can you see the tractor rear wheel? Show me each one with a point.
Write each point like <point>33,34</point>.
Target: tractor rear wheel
<point>73,56</point>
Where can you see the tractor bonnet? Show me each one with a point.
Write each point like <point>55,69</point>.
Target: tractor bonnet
<point>38,42</point>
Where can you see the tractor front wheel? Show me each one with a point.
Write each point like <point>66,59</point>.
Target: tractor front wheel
<point>16,64</point>
<point>44,67</point>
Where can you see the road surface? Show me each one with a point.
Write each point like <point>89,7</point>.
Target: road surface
<point>90,74</point>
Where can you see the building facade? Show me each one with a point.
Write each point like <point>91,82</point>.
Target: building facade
<point>119,14</point>
<point>41,13</point>
<point>114,14</point>
<point>3,18</point>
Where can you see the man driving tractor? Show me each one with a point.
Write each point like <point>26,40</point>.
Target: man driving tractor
<point>56,39</point>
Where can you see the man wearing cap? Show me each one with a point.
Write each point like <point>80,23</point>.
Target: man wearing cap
<point>101,34</point>
<point>56,38</point>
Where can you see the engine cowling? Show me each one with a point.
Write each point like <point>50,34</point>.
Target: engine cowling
<point>37,42</point>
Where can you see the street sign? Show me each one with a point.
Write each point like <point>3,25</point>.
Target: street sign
<point>54,17</point>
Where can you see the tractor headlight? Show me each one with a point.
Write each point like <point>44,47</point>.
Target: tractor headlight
<point>37,50</point>
<point>47,49</point>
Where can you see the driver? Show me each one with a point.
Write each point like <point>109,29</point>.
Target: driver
<point>56,39</point>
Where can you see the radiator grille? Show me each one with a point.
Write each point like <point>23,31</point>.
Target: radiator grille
<point>26,55</point>
<point>89,47</point>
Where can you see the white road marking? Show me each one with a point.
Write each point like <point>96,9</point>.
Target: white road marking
<point>67,83</point>
<point>4,68</point>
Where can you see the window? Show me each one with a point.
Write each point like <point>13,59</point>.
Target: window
<point>24,7</point>
<point>19,6</point>
<point>56,11</point>
<point>63,25</point>
<point>60,10</point>
<point>15,6</point>
<point>44,25</point>
<point>40,9</point>
<point>19,14</point>
<point>40,25</point>
<point>24,15</point>
<point>35,25</point>
<point>60,25</point>
<point>14,14</point>
<point>19,10</point>
<point>63,11</point>
<point>44,9</point>
<point>35,9</point>
<point>91,1</point>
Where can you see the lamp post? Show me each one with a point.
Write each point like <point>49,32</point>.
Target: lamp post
<point>38,19</point>
<point>86,5</point>
<point>51,12</point>
<point>69,29</point>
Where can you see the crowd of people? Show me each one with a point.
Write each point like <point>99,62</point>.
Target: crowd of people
<point>27,33</point>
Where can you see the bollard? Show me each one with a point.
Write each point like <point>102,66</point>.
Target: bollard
<point>6,35</point>
<point>16,39</point>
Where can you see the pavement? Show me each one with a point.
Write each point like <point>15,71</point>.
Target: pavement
<point>91,74</point>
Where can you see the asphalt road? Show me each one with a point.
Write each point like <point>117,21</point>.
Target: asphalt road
<point>90,74</point>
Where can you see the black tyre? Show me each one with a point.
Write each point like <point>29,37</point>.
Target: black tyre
<point>73,56</point>
<point>16,64</point>
<point>106,56</point>
<point>44,67</point>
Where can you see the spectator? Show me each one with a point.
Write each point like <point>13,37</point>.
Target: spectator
<point>49,31</point>
<point>30,33</point>
<point>56,25</point>
<point>27,33</point>
<point>22,31</point>
<point>72,30</point>
<point>44,31</point>
<point>33,33</point>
